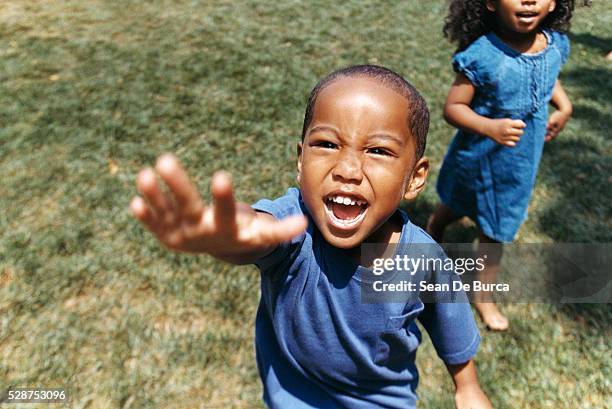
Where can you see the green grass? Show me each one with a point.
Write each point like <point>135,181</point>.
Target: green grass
<point>93,91</point>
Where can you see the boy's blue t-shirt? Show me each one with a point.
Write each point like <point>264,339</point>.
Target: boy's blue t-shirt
<point>319,346</point>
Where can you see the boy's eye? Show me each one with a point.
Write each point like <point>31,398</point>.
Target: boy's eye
<point>326,145</point>
<point>380,151</point>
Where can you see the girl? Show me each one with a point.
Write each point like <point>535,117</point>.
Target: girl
<point>508,59</point>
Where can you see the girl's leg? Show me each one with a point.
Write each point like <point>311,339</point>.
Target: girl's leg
<point>483,302</point>
<point>442,217</point>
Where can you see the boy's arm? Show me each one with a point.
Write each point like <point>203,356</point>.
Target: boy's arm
<point>457,112</point>
<point>468,394</point>
<point>226,230</point>
<point>559,118</point>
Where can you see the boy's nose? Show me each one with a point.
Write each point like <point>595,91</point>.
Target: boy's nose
<point>348,168</point>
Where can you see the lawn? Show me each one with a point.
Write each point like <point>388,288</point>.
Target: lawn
<point>92,91</point>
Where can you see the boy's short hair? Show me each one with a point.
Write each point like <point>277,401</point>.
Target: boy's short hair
<point>418,115</point>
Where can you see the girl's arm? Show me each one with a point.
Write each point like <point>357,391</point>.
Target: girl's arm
<point>468,394</point>
<point>457,112</point>
<point>226,230</point>
<point>559,118</point>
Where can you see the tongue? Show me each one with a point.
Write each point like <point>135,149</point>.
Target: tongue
<point>345,212</point>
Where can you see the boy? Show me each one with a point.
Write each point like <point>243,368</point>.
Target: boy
<point>317,345</point>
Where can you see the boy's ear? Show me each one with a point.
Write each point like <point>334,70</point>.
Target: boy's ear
<point>299,164</point>
<point>417,180</point>
<point>552,6</point>
<point>491,6</point>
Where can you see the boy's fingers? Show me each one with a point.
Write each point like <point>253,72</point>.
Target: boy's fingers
<point>185,193</point>
<point>147,184</point>
<point>224,206</point>
<point>141,211</point>
<point>283,230</point>
<point>517,123</point>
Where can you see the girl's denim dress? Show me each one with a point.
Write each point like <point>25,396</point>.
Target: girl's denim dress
<point>479,178</point>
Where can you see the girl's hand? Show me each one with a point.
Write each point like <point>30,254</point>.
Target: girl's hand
<point>471,397</point>
<point>227,230</point>
<point>556,123</point>
<point>505,131</point>
<point>558,119</point>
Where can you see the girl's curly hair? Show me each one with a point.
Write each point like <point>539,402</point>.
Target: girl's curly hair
<point>469,19</point>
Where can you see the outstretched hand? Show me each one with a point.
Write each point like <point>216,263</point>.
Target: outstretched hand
<point>227,230</point>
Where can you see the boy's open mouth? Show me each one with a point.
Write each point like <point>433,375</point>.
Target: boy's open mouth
<point>345,211</point>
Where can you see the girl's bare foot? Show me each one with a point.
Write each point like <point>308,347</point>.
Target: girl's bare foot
<point>491,316</point>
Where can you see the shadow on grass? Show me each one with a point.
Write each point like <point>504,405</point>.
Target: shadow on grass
<point>419,210</point>
<point>592,83</point>
<point>458,232</point>
<point>577,167</point>
<point>597,316</point>
<point>601,45</point>
<point>593,117</point>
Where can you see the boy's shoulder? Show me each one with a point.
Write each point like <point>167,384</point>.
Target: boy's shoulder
<point>289,204</point>
<point>412,233</point>
<point>419,235</point>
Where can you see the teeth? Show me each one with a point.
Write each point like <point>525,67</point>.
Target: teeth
<point>346,201</point>
<point>344,223</point>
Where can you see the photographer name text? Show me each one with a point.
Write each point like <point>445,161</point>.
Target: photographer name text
<point>409,286</point>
